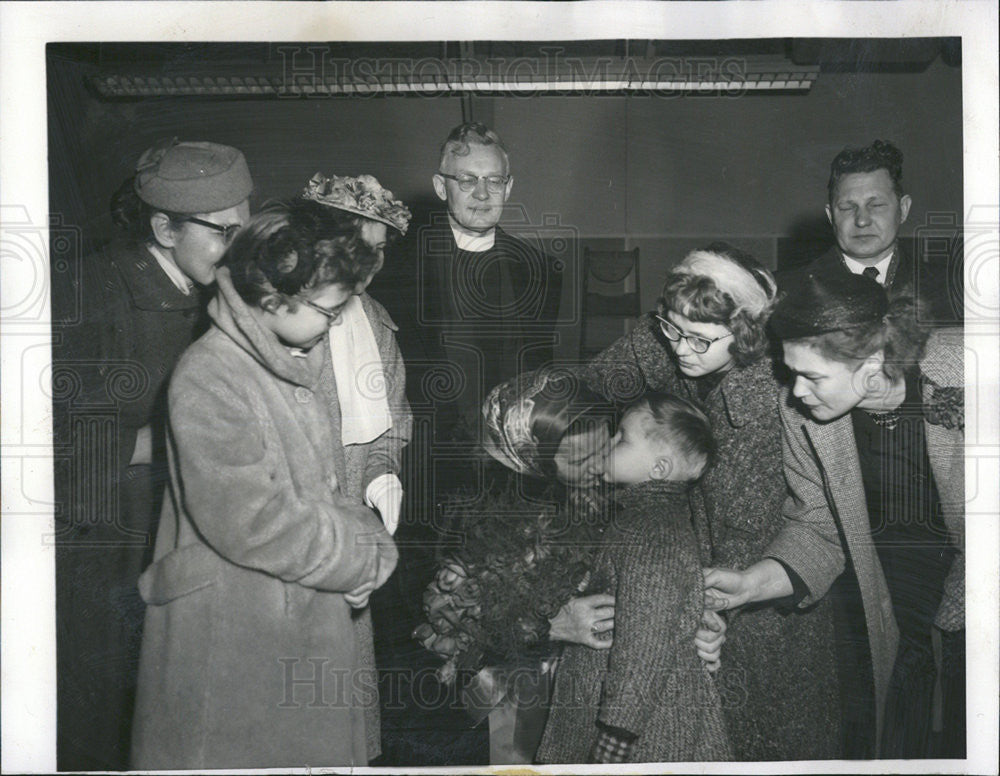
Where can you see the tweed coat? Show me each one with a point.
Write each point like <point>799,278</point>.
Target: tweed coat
<point>778,678</point>
<point>651,683</point>
<point>827,516</point>
<point>251,656</point>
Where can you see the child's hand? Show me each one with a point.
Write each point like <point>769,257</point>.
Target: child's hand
<point>709,638</point>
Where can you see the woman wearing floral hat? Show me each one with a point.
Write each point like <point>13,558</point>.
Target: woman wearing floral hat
<point>123,324</point>
<point>366,377</point>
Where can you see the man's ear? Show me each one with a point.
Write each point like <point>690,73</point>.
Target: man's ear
<point>163,229</point>
<point>439,188</point>
<point>662,469</point>
<point>904,207</point>
<point>829,214</point>
<point>507,188</point>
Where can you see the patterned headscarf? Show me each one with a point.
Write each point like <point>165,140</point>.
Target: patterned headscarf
<point>507,414</point>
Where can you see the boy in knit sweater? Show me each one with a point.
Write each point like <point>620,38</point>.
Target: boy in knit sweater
<point>649,698</point>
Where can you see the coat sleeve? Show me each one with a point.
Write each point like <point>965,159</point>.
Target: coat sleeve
<point>809,543</point>
<point>236,492</point>
<point>616,373</point>
<point>384,453</point>
<point>658,605</point>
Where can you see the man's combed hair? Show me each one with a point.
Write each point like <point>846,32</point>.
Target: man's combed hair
<point>292,247</point>
<point>683,427</point>
<point>471,133</point>
<point>880,155</point>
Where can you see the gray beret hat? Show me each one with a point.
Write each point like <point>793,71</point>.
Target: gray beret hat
<point>192,177</point>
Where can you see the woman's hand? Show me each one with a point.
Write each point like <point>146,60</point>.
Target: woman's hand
<point>729,589</point>
<point>358,597</point>
<point>587,620</point>
<point>709,638</point>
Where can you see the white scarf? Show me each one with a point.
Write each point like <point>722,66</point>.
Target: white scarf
<point>357,370</point>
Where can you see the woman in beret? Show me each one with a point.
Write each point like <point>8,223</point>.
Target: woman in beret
<point>707,341</point>
<point>873,453</point>
<point>123,325</point>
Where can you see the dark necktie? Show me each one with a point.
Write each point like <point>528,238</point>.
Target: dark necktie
<point>871,272</point>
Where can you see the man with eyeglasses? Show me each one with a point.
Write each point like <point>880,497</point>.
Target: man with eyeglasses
<point>475,306</point>
<point>483,303</point>
<point>121,325</point>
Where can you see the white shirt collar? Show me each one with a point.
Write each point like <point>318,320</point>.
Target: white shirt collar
<point>857,267</point>
<point>172,271</point>
<point>475,243</point>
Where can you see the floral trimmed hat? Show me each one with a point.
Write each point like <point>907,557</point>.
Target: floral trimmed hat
<point>363,196</point>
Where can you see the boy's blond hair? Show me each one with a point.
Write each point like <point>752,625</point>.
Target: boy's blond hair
<point>682,426</point>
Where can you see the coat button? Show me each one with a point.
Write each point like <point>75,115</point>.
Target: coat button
<point>303,395</point>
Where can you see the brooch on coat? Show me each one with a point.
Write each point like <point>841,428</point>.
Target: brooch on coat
<point>946,408</point>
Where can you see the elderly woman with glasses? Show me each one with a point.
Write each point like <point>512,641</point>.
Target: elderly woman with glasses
<point>707,341</point>
<point>122,324</point>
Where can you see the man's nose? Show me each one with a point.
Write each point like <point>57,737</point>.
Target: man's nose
<point>799,388</point>
<point>862,217</point>
<point>480,191</point>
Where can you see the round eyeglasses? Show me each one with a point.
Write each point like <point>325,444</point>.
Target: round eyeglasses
<point>331,315</point>
<point>696,343</point>
<point>228,232</point>
<point>466,182</point>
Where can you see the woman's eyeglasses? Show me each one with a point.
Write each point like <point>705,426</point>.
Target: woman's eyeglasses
<point>696,343</point>
<point>331,315</point>
<point>227,232</point>
<point>466,182</point>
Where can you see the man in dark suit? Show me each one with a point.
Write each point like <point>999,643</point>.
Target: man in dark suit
<point>866,207</point>
<point>475,306</point>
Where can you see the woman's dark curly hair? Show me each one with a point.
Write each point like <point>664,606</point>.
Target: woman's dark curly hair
<point>724,285</point>
<point>291,247</point>
<point>847,317</point>
<point>133,216</point>
<point>566,407</point>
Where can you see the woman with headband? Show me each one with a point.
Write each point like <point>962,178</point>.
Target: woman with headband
<point>873,427</point>
<point>707,341</point>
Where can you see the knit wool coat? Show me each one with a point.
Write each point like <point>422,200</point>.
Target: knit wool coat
<point>778,679</point>
<point>650,683</point>
<point>251,655</point>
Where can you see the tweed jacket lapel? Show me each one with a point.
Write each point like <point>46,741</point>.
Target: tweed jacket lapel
<point>837,453</point>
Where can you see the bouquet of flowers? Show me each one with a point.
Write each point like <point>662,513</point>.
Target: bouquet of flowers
<point>493,596</point>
